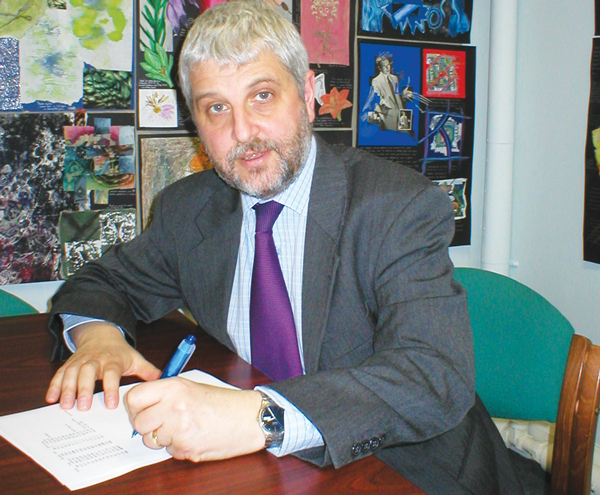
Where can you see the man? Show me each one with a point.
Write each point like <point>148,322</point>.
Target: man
<point>385,84</point>
<point>381,333</point>
<point>390,112</point>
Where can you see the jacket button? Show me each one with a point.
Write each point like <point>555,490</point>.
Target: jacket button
<point>366,446</point>
<point>356,448</point>
<point>375,443</point>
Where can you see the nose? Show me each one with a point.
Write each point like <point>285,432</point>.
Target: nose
<point>244,125</point>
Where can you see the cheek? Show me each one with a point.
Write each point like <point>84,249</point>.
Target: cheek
<point>215,141</point>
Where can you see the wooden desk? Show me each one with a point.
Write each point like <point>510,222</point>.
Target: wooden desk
<point>25,347</point>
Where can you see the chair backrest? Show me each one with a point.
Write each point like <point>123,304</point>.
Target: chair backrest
<point>11,305</point>
<point>521,345</point>
<point>523,348</point>
<point>575,434</point>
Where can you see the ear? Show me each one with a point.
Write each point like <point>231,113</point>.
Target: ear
<point>309,94</point>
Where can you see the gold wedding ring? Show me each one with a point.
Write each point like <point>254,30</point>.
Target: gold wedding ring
<point>155,439</point>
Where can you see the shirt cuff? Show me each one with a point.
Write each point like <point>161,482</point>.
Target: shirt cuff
<point>300,433</point>
<point>72,321</point>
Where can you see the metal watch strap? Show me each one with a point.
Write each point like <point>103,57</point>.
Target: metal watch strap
<point>270,418</point>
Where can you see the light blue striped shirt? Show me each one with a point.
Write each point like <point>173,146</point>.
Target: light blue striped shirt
<point>289,236</point>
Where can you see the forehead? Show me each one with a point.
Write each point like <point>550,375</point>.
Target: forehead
<point>266,66</point>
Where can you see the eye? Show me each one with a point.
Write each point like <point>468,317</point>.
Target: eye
<point>216,108</point>
<point>264,95</point>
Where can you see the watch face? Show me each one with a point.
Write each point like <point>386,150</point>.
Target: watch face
<point>270,422</point>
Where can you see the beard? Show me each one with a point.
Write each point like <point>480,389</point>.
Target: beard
<point>266,183</point>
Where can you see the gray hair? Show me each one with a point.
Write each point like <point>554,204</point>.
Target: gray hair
<point>238,32</point>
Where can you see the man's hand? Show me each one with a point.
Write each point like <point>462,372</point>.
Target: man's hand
<point>194,421</point>
<point>102,354</point>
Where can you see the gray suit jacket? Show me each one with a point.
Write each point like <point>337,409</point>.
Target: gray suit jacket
<point>386,337</point>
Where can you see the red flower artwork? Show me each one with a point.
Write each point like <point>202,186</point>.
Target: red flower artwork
<point>335,102</point>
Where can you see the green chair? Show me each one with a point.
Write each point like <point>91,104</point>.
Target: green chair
<point>11,305</point>
<point>530,365</point>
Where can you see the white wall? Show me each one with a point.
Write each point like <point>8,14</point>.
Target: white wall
<point>553,71</point>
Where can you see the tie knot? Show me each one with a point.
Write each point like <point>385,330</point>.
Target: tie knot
<point>266,214</point>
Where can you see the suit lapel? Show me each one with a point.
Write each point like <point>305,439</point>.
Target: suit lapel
<point>326,214</point>
<point>219,224</point>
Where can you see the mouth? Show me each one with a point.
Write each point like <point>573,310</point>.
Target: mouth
<point>253,155</point>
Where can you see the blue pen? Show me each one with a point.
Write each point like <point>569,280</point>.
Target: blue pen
<point>178,361</point>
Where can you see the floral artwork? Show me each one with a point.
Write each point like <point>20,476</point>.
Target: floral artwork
<point>334,103</point>
<point>157,108</point>
<point>157,62</point>
<point>325,28</point>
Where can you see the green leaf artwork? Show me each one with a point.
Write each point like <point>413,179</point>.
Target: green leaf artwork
<point>17,16</point>
<point>157,63</point>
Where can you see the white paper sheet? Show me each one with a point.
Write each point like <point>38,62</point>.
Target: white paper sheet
<point>83,448</point>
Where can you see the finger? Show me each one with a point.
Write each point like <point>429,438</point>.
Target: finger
<point>140,408</point>
<point>88,373</point>
<point>110,384</point>
<point>152,440</point>
<point>54,389</point>
<point>69,386</point>
<point>145,395</point>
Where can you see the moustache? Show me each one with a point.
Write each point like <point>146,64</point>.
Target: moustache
<point>253,146</point>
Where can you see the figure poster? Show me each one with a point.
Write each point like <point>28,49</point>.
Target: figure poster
<point>416,107</point>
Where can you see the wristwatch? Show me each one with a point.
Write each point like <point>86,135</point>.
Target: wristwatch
<point>270,419</point>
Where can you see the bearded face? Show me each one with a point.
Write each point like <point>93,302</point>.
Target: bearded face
<point>255,126</point>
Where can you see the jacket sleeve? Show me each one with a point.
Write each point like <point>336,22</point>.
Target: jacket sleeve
<point>131,282</point>
<point>399,369</point>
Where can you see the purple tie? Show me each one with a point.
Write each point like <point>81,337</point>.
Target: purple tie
<point>272,330</point>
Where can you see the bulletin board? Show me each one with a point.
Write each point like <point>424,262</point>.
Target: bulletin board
<point>93,124</point>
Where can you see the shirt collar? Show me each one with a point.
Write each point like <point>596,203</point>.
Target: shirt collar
<point>297,193</point>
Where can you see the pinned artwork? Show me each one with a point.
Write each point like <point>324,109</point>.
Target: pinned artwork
<point>457,192</point>
<point>10,98</point>
<point>416,108</point>
<point>157,108</point>
<point>99,157</point>
<point>32,196</point>
<point>55,45</point>
<point>87,235</point>
<point>326,31</point>
<point>444,73</point>
<point>448,21</point>
<point>165,160</point>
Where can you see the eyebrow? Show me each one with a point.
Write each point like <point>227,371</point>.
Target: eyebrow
<point>259,80</point>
